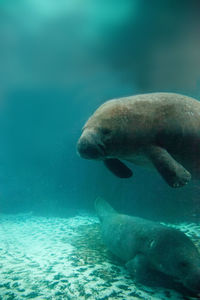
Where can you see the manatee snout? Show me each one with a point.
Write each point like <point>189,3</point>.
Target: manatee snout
<point>89,146</point>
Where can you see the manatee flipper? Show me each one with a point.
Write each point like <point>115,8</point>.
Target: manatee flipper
<point>118,168</point>
<point>172,172</point>
<point>142,271</point>
<point>139,268</point>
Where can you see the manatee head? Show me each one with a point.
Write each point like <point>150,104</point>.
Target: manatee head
<point>106,131</point>
<point>187,269</point>
<point>178,257</point>
<point>192,281</point>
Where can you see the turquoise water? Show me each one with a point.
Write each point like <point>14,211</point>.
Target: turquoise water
<point>60,60</point>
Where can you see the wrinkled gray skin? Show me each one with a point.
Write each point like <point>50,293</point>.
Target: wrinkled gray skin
<point>160,130</point>
<point>145,245</point>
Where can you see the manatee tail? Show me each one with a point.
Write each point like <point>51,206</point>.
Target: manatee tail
<point>103,208</point>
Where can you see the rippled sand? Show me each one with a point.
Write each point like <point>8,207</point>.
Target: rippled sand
<point>57,258</point>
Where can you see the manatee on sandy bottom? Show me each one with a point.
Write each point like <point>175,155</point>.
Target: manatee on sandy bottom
<point>146,246</point>
<point>160,130</point>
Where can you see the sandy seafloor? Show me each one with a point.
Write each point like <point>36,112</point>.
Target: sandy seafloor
<point>64,258</point>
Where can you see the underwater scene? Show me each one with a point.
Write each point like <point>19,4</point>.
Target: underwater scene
<point>99,150</point>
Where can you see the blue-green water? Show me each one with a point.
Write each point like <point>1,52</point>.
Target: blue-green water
<point>58,62</point>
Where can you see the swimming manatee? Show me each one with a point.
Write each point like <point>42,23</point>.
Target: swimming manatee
<point>148,247</point>
<point>160,130</point>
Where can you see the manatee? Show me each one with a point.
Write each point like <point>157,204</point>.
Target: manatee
<point>159,130</point>
<point>148,247</point>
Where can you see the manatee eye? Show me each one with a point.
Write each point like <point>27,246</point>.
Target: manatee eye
<point>105,131</point>
<point>183,264</point>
